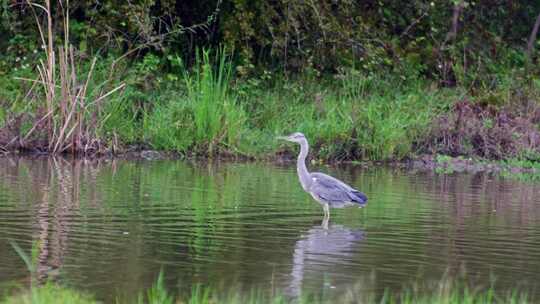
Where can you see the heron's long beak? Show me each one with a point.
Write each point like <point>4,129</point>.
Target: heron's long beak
<point>283,137</point>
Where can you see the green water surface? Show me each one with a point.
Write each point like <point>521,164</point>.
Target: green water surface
<point>109,226</point>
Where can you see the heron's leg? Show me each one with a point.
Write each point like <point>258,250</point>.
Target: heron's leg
<point>324,223</point>
<point>326,210</point>
<point>326,218</point>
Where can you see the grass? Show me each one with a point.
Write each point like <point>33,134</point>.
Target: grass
<point>157,294</point>
<point>46,293</point>
<point>524,169</point>
<point>446,294</point>
<point>50,293</point>
<point>447,291</point>
<point>205,119</point>
<point>208,113</point>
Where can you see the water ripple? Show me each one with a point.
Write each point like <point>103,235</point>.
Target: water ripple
<point>110,226</point>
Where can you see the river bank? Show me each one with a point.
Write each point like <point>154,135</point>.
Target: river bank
<point>210,111</point>
<point>442,164</point>
<point>346,117</point>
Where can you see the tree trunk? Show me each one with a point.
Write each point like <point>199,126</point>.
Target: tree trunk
<point>455,21</point>
<point>532,38</point>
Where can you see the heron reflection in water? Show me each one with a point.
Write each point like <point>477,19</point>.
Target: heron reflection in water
<point>319,252</point>
<point>328,191</point>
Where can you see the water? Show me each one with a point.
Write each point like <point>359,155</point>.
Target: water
<point>108,227</point>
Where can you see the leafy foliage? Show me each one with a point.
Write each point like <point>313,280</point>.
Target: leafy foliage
<point>295,35</point>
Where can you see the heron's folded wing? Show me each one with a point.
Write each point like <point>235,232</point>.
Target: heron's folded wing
<point>329,190</point>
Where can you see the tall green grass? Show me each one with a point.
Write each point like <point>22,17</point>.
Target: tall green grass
<point>355,117</point>
<point>207,111</point>
<point>204,118</point>
<point>157,294</point>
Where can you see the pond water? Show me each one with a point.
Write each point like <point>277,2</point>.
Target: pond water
<point>110,226</point>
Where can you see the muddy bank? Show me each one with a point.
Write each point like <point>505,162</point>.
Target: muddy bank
<point>439,163</point>
<point>447,164</point>
<point>485,131</point>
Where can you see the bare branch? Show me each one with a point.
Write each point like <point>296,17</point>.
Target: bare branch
<point>415,22</point>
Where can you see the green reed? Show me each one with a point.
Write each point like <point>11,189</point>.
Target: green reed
<point>205,117</point>
<point>446,292</point>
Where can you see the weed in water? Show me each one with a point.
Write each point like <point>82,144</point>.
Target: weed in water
<point>157,294</point>
<point>47,293</point>
<point>50,293</point>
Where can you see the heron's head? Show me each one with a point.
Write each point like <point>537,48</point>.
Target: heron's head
<point>296,137</point>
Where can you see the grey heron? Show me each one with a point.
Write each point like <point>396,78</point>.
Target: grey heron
<point>326,190</point>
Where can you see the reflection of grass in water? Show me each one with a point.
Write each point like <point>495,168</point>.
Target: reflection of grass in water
<point>203,203</point>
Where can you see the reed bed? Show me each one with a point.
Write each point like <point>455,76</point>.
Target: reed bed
<point>67,104</point>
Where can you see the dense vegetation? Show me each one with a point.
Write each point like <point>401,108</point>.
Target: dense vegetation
<point>363,79</point>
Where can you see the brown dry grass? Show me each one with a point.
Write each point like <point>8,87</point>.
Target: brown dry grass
<point>67,117</point>
<point>491,132</point>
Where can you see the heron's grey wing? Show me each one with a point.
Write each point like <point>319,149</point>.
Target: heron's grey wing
<point>333,190</point>
<point>330,180</point>
<point>328,193</point>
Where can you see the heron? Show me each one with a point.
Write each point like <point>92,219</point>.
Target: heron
<point>326,190</point>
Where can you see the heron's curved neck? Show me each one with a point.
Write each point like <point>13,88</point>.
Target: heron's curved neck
<point>303,173</point>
